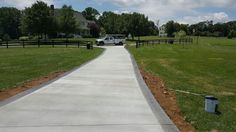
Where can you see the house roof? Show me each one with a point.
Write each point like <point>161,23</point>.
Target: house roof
<point>83,23</point>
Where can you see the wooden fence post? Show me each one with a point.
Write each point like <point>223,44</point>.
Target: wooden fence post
<point>7,43</point>
<point>66,43</point>
<point>78,44</point>
<point>38,43</point>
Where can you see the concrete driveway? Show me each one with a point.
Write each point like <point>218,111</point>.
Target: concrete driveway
<point>102,96</point>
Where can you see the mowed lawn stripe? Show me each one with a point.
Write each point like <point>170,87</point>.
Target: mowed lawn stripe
<point>18,65</point>
<point>206,68</point>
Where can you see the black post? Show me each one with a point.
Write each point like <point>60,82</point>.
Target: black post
<point>53,43</point>
<point>78,44</point>
<point>38,43</point>
<point>66,42</point>
<point>7,43</point>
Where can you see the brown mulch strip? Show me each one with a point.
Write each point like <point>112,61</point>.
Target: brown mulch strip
<point>167,100</point>
<point>28,85</point>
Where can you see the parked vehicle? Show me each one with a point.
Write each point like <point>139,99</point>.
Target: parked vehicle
<point>117,39</point>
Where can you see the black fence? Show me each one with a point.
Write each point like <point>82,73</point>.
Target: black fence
<point>183,41</point>
<point>52,43</point>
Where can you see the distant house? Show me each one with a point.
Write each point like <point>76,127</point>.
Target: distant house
<point>83,23</point>
<point>162,31</point>
<point>80,20</point>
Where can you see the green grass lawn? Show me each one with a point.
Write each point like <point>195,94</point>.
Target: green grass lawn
<point>207,68</point>
<point>18,65</point>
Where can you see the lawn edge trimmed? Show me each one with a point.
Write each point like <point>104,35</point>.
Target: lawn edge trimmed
<point>166,123</point>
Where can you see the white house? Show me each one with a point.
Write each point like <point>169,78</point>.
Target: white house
<point>162,31</point>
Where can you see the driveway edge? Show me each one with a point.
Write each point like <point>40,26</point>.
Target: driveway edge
<point>161,116</point>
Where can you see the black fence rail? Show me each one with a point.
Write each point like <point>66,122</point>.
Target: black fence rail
<point>183,41</point>
<point>52,43</point>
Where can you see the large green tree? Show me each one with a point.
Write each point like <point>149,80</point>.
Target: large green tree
<point>171,28</point>
<point>9,22</point>
<point>90,13</point>
<point>67,20</point>
<point>135,24</point>
<point>109,21</point>
<point>37,19</point>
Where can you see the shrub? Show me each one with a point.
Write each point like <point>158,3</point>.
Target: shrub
<point>231,34</point>
<point>180,34</point>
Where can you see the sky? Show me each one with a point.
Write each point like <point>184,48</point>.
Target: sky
<point>182,11</point>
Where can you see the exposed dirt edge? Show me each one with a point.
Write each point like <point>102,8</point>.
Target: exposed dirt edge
<point>28,85</point>
<point>167,100</point>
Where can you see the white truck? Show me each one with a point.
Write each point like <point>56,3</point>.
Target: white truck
<point>117,39</point>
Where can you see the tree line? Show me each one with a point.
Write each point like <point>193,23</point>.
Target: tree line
<point>37,20</point>
<point>205,28</point>
<point>40,20</point>
<point>135,24</point>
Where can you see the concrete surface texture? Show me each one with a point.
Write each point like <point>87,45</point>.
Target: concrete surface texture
<point>102,96</point>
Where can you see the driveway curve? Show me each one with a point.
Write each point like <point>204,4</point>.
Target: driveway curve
<point>105,95</point>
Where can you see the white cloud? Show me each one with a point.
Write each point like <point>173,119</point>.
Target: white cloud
<point>123,2</point>
<point>184,3</point>
<point>21,4</point>
<point>172,9</point>
<point>164,10</point>
<point>120,12</point>
<point>216,17</point>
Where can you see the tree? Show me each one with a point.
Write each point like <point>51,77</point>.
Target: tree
<point>37,19</point>
<point>138,24</point>
<point>135,24</point>
<point>9,22</point>
<point>94,29</point>
<point>171,28</point>
<point>67,20</point>
<point>109,21</point>
<point>90,14</point>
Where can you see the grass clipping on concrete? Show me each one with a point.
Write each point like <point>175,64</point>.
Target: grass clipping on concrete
<point>21,65</point>
<point>207,68</point>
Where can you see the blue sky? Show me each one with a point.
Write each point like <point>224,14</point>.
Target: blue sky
<point>183,11</point>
